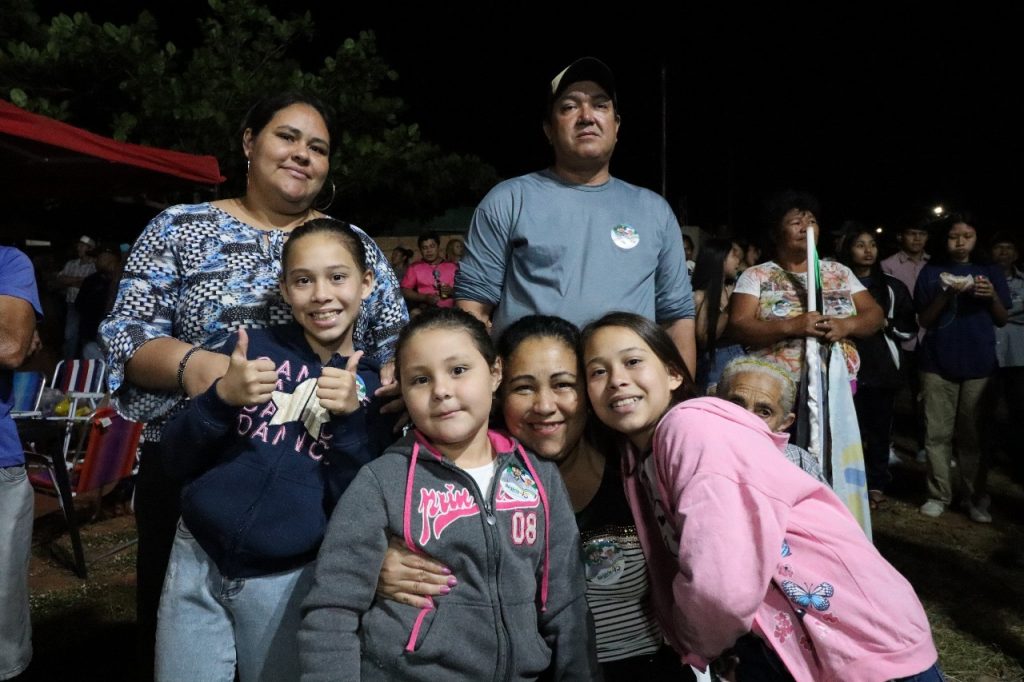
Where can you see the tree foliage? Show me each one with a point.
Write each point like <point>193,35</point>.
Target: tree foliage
<point>123,81</point>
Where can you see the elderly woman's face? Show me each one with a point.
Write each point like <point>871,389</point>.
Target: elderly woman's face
<point>761,395</point>
<point>792,230</point>
<point>289,157</point>
<point>542,397</point>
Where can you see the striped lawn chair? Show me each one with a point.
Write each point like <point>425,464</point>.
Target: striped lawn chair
<point>110,456</point>
<point>84,382</point>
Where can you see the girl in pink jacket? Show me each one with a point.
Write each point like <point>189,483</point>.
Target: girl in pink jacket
<point>744,549</point>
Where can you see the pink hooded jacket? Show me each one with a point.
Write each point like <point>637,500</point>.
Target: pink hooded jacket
<point>763,547</point>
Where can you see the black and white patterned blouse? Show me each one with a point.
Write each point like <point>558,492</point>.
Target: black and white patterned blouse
<point>197,273</point>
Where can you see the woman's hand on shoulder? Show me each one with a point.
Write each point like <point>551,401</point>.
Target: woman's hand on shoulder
<point>391,393</point>
<point>410,578</point>
<point>246,382</point>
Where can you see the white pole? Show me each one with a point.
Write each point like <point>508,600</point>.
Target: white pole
<point>812,356</point>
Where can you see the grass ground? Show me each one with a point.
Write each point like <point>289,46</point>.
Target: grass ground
<point>969,576</point>
<point>963,572</point>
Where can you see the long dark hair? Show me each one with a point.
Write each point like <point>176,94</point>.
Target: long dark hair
<point>878,288</point>
<point>660,343</point>
<point>656,338</point>
<point>709,277</point>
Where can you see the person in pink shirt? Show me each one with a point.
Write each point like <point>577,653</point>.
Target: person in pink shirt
<point>907,263</point>
<point>429,282</point>
<point>745,555</point>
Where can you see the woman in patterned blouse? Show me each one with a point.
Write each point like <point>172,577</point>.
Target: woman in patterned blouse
<point>199,272</point>
<point>767,311</point>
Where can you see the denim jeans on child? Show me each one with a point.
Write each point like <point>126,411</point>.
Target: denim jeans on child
<point>207,623</point>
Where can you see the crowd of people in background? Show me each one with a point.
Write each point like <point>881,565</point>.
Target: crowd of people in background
<point>640,452</point>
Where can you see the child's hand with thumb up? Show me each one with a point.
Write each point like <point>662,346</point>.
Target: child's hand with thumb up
<point>338,389</point>
<point>247,382</point>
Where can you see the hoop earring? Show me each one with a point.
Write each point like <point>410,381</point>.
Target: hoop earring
<point>334,192</point>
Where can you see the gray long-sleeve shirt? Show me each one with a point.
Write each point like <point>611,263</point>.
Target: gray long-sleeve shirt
<point>538,245</point>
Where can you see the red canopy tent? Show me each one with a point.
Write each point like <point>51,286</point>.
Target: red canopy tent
<point>42,157</point>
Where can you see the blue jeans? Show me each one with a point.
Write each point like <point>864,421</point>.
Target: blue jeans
<point>208,623</point>
<point>932,674</point>
<point>15,549</point>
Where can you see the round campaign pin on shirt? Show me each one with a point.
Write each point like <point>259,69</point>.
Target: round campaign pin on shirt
<point>625,236</point>
<point>781,308</point>
<point>603,561</point>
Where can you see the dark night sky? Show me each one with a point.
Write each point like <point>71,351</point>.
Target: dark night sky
<point>881,114</point>
<point>879,121</point>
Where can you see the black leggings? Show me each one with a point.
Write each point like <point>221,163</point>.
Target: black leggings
<point>758,663</point>
<point>663,666</point>
<point>874,414</point>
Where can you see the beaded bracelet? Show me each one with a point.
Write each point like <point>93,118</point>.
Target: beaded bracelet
<point>181,366</point>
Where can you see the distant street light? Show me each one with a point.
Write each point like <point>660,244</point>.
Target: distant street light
<point>938,210</point>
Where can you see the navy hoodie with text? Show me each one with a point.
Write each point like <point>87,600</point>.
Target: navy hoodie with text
<point>261,481</point>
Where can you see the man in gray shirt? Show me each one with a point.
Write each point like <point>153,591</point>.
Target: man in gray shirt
<point>572,240</point>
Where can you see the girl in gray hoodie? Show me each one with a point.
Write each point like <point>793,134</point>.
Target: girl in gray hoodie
<point>477,501</point>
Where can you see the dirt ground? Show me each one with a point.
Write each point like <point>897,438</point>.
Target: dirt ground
<point>969,576</point>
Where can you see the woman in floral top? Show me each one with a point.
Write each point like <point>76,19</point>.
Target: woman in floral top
<point>198,273</point>
<point>767,309</point>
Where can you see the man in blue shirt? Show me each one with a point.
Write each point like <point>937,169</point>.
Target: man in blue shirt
<point>19,310</point>
<point>572,240</point>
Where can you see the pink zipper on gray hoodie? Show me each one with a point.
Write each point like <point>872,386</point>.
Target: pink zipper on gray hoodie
<point>519,606</point>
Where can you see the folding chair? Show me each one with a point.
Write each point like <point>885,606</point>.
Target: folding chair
<point>110,456</point>
<point>84,383</point>
<point>27,392</point>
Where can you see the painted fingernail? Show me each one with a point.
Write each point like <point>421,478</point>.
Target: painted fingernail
<point>453,581</point>
<point>446,570</point>
<point>445,590</point>
<point>430,603</point>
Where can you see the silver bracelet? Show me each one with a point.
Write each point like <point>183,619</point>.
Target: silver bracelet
<point>181,366</point>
